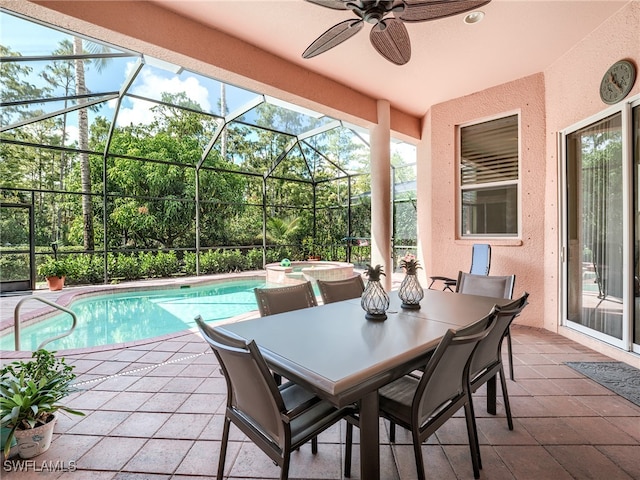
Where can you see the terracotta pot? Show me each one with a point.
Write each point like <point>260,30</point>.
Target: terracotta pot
<point>35,441</point>
<point>55,283</point>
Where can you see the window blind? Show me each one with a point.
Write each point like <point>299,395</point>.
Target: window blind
<point>489,151</point>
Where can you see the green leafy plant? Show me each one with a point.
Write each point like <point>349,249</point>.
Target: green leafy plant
<point>53,268</point>
<point>30,392</point>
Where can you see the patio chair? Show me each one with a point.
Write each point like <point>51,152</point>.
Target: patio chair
<point>284,299</point>
<point>487,359</point>
<point>490,286</point>
<point>480,265</point>
<point>338,290</point>
<point>278,419</point>
<point>422,404</point>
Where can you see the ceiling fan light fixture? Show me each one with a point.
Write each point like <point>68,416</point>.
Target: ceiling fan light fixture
<point>388,34</point>
<point>473,17</point>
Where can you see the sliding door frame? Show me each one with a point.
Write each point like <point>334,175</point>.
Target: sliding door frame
<point>628,203</point>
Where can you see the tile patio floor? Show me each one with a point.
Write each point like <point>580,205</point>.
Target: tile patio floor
<point>154,412</point>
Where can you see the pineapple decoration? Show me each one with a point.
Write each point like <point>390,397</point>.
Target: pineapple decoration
<point>375,300</point>
<point>410,291</point>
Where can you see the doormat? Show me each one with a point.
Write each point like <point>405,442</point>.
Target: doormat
<point>618,377</point>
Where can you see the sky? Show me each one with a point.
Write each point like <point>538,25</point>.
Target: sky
<point>32,39</point>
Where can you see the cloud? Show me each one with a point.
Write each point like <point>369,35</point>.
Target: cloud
<point>149,84</point>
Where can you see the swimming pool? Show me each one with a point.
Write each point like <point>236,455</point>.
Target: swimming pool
<point>137,315</point>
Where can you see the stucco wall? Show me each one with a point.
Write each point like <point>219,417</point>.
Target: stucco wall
<point>445,253</point>
<point>572,95</point>
<point>564,94</point>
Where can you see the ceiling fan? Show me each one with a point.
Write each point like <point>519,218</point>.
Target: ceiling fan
<point>388,35</point>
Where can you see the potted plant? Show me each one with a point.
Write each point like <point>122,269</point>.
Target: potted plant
<point>30,392</point>
<point>54,271</point>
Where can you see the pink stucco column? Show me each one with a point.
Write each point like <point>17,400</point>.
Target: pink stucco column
<point>381,192</point>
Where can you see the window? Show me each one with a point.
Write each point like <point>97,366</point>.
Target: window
<point>489,178</point>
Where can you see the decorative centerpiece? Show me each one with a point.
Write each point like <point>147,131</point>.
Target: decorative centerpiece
<point>410,289</point>
<point>374,300</point>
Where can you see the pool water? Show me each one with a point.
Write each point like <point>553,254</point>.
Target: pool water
<point>126,317</point>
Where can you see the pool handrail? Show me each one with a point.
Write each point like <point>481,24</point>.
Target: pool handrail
<point>16,321</point>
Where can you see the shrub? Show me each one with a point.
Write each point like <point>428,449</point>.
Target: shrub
<point>254,259</point>
<point>161,264</point>
<point>124,266</point>
<point>210,262</point>
<point>85,269</point>
<point>189,261</point>
<point>232,261</point>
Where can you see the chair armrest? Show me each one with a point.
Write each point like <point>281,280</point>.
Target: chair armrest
<point>297,400</point>
<point>444,279</point>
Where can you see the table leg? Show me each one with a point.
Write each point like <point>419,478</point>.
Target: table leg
<point>491,395</point>
<point>369,437</point>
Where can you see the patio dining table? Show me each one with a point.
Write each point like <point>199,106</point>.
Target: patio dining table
<point>344,358</point>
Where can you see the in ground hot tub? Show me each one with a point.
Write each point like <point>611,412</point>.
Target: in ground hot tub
<point>308,270</point>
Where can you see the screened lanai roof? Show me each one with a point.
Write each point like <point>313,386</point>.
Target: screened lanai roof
<point>126,88</point>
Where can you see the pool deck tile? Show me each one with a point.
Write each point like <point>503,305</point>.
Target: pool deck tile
<point>154,411</point>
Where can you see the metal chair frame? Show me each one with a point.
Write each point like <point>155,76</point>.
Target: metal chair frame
<point>480,265</point>
<point>278,419</point>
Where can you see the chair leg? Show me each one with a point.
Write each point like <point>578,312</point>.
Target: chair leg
<point>348,448</point>
<point>472,432</point>
<point>314,445</point>
<point>284,471</point>
<point>223,447</point>
<point>505,399</point>
<point>417,451</point>
<point>510,354</point>
<point>392,431</point>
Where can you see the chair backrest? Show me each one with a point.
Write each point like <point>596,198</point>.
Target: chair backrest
<point>252,392</point>
<point>445,376</point>
<point>284,299</point>
<point>489,350</point>
<point>338,290</point>
<point>486,285</point>
<point>480,259</point>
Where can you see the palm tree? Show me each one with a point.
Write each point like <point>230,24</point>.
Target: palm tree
<point>281,230</point>
<point>83,134</point>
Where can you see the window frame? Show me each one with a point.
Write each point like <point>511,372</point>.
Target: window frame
<point>460,189</point>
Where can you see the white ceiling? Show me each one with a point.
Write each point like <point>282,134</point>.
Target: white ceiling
<point>449,58</point>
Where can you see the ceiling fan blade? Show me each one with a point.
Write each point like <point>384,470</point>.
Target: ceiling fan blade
<point>332,37</point>
<point>424,10</point>
<point>391,39</point>
<point>334,4</point>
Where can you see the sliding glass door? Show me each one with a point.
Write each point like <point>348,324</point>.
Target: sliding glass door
<point>601,264</point>
<point>595,267</point>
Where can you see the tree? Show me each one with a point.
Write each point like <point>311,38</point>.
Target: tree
<point>83,145</point>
